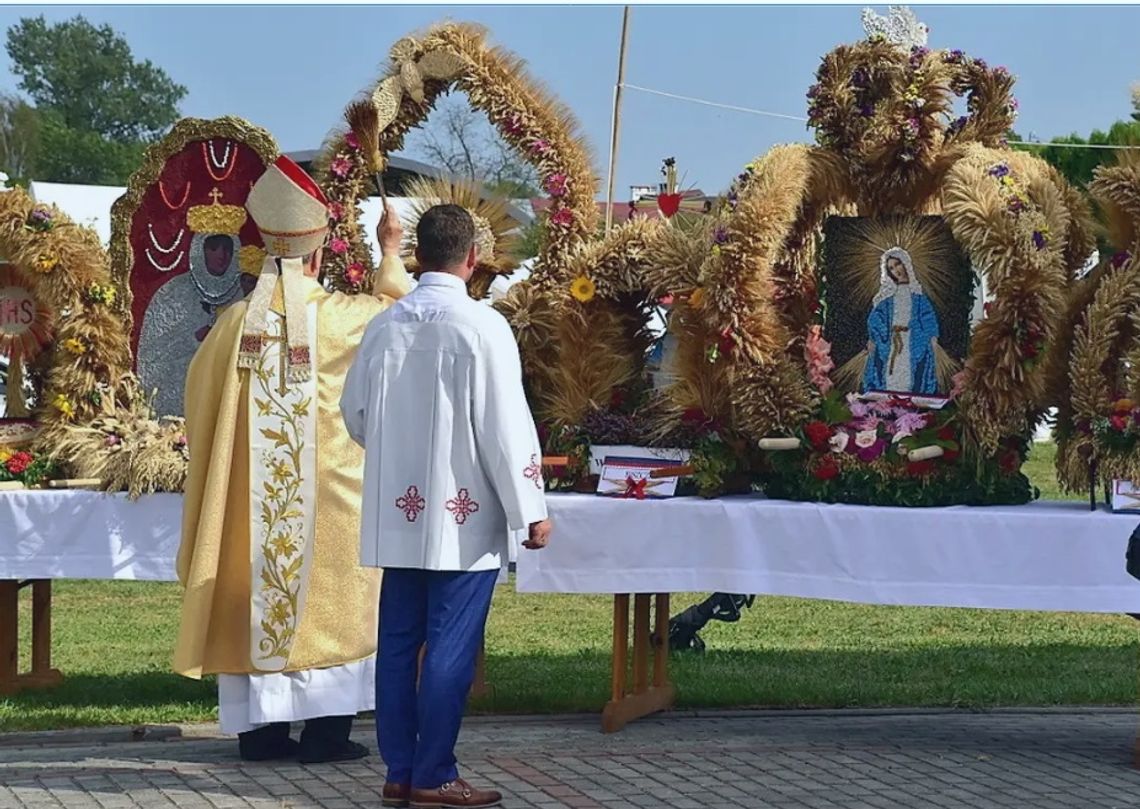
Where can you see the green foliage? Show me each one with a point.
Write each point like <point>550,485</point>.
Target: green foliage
<point>69,155</point>
<point>530,240</point>
<point>1077,165</point>
<point>97,108</point>
<point>19,138</point>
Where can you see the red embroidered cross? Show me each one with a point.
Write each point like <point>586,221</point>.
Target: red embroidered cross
<point>534,472</point>
<point>635,489</point>
<point>411,504</point>
<point>462,506</point>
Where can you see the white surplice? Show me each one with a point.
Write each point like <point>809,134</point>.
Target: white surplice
<point>452,458</point>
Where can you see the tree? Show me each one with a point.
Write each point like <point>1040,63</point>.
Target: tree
<point>19,137</point>
<point>1136,101</point>
<point>98,106</point>
<point>1077,164</point>
<point>463,142</point>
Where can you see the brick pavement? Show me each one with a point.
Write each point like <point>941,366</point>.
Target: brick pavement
<point>1050,759</point>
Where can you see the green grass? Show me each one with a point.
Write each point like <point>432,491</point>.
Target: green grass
<point>550,653</point>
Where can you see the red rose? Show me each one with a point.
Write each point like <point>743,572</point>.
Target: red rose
<point>827,469</point>
<point>19,463</point>
<point>946,433</point>
<point>1118,422</point>
<point>950,455</point>
<point>694,416</point>
<point>1009,462</point>
<point>917,469</point>
<point>818,434</point>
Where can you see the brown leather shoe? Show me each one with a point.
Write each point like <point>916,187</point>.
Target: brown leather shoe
<point>396,795</point>
<point>457,794</point>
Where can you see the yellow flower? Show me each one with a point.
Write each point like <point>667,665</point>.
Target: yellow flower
<point>4,455</point>
<point>1123,406</point>
<point>75,346</point>
<point>716,249</point>
<point>697,297</point>
<point>64,406</point>
<point>46,262</point>
<point>583,289</point>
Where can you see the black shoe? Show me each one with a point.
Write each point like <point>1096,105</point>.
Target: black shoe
<point>269,743</point>
<point>329,754</point>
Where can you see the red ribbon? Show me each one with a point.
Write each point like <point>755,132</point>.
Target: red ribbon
<point>635,489</point>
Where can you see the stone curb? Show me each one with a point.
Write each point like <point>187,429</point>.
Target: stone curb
<point>210,731</point>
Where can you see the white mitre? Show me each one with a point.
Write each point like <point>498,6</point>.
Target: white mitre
<point>292,215</point>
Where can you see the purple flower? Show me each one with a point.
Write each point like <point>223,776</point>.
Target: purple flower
<point>955,57</point>
<point>1016,205</point>
<point>813,91</point>
<point>720,234</point>
<point>860,77</point>
<point>999,171</point>
<point>1039,240</point>
<point>867,110</point>
<point>917,55</point>
<point>1120,259</point>
<point>980,64</point>
<point>909,423</point>
<point>958,125</point>
<point>912,127</point>
<point>868,454</point>
<point>1001,71</point>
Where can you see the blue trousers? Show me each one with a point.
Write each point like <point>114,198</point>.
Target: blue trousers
<point>417,731</point>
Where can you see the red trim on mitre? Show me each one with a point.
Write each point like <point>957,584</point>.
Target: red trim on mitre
<point>300,178</point>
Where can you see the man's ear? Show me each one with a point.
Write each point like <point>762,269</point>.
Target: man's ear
<point>472,257</point>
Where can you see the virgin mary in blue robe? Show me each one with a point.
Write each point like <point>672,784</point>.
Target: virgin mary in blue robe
<point>902,330</point>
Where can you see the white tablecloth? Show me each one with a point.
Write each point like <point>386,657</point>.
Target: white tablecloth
<point>1045,556</point>
<point>91,535</point>
<point>88,535</point>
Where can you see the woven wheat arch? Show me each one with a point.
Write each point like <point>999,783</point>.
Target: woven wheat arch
<point>1099,359</point>
<point>887,146</point>
<point>66,269</point>
<point>457,57</point>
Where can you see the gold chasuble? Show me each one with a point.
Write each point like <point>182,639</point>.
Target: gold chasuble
<point>271,515</point>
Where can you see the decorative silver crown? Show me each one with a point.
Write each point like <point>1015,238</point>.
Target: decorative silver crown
<point>900,26</point>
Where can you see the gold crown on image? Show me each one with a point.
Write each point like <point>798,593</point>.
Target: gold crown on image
<point>215,217</point>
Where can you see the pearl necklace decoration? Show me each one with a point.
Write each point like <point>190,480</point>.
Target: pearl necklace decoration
<point>159,247</point>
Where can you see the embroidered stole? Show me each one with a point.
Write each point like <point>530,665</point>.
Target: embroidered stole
<point>283,482</point>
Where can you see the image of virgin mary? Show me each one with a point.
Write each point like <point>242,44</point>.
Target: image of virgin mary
<point>902,331</point>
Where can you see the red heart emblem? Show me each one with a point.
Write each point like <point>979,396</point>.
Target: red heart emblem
<point>669,204</point>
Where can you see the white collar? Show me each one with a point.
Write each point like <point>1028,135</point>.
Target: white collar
<point>442,279</point>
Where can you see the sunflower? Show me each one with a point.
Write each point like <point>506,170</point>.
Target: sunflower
<point>583,289</point>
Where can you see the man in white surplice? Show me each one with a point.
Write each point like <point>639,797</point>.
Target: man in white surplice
<point>452,465</point>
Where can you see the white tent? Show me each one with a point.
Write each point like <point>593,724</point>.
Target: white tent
<point>86,204</point>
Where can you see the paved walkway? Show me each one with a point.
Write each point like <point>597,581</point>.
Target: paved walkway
<point>818,760</point>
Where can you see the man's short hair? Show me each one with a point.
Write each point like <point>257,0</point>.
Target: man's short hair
<point>444,236</point>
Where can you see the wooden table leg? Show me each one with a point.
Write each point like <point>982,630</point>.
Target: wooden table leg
<point>9,636</point>
<point>661,646</point>
<point>624,707</point>
<point>621,647</point>
<point>42,674</point>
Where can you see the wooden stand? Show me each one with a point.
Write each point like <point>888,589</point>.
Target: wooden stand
<point>41,674</point>
<point>625,706</point>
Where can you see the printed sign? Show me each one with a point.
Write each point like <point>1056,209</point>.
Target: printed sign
<point>1125,497</point>
<point>630,478</point>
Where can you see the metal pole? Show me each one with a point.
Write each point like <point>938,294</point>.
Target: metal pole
<point>615,128</point>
